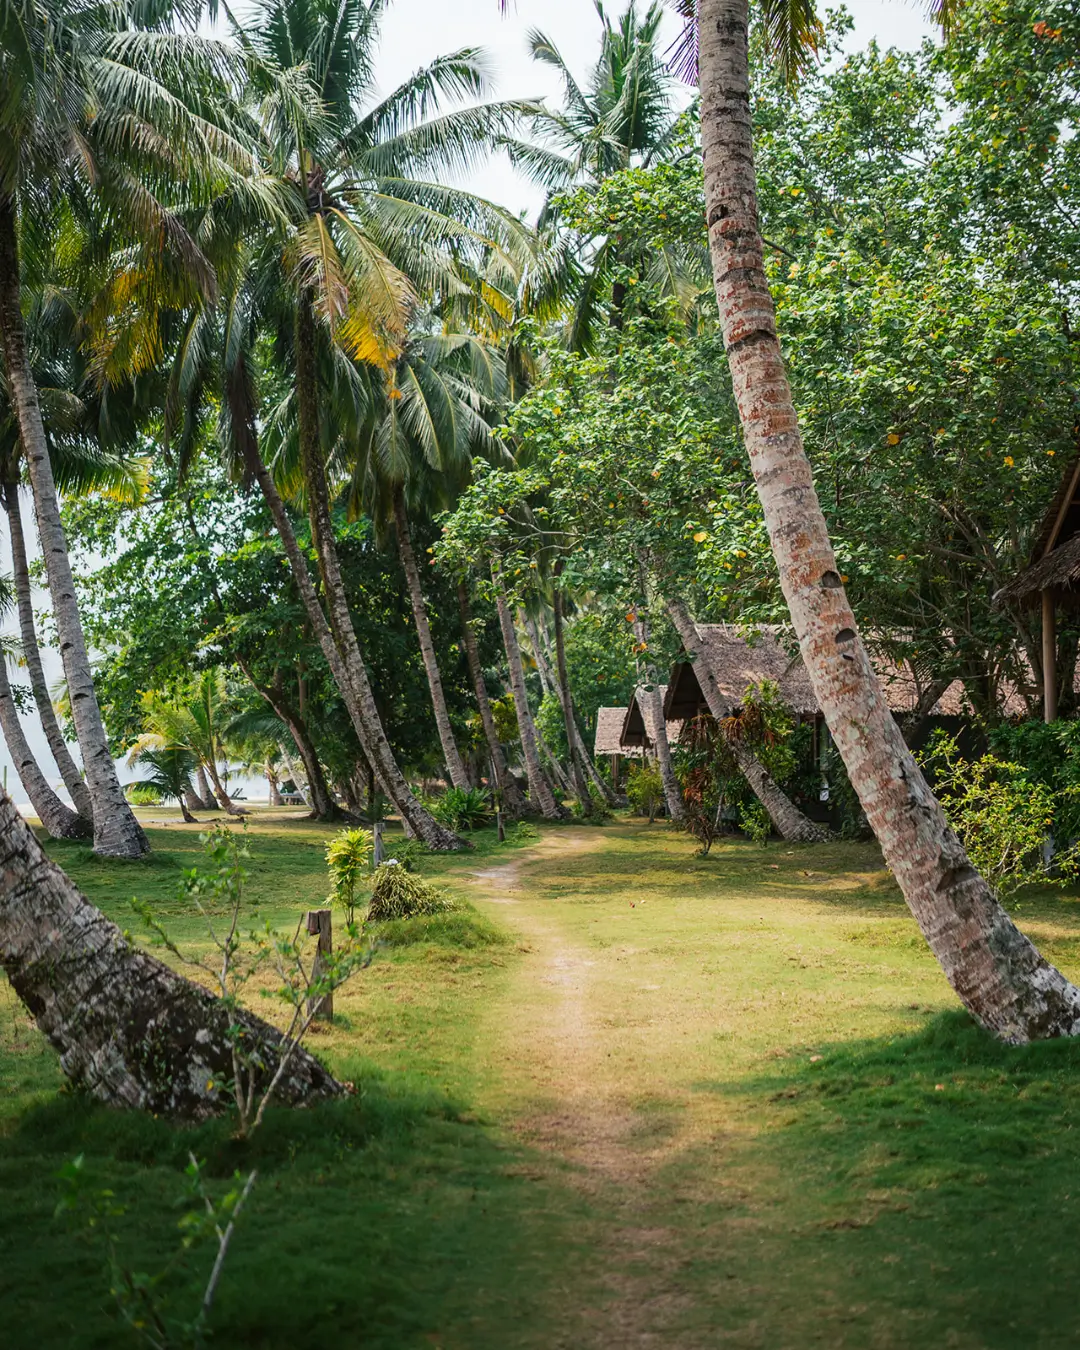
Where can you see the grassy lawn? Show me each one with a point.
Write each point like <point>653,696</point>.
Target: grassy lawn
<point>625,1096</point>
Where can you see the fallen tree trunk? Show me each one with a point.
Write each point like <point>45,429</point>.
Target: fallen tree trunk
<point>128,1030</point>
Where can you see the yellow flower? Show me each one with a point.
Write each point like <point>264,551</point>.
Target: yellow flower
<point>700,537</point>
<point>900,557</point>
<point>892,438</point>
<point>1009,461</point>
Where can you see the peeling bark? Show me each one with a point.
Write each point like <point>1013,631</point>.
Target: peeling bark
<point>128,1030</point>
<point>790,822</point>
<point>997,972</point>
<point>116,831</point>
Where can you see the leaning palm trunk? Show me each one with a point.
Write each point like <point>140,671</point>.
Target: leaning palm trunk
<point>790,822</point>
<point>653,700</point>
<point>996,971</point>
<point>454,764</point>
<point>512,799</point>
<point>116,831</point>
<point>128,1030</point>
<point>209,801</point>
<point>69,770</point>
<point>60,821</point>
<point>541,797</point>
<point>359,702</point>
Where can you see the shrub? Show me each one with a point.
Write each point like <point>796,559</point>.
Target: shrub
<point>755,823</point>
<point>348,855</point>
<point>398,894</point>
<point>645,789</point>
<point>144,794</point>
<point>462,808</point>
<point>598,808</point>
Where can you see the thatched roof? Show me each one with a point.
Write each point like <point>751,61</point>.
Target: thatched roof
<point>639,724</point>
<point>1055,555</point>
<point>740,660</point>
<point>609,725</point>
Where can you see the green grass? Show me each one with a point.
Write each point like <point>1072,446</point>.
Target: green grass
<point>621,1095</point>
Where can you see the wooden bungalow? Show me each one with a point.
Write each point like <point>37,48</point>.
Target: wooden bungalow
<point>1051,580</point>
<point>639,727</point>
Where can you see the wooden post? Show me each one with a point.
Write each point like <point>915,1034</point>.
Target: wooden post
<point>1049,657</point>
<point>500,826</point>
<point>320,924</point>
<point>377,856</point>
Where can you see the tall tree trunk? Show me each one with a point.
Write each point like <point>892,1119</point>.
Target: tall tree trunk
<point>68,769</point>
<point>790,822</point>
<point>220,793</point>
<point>654,701</point>
<point>512,797</point>
<point>192,800</point>
<point>128,1030</point>
<point>116,831</point>
<point>541,798</point>
<point>273,785</point>
<point>185,810</point>
<point>209,801</point>
<point>996,971</point>
<point>451,754</point>
<point>566,699</point>
<point>298,781</point>
<point>60,821</point>
<point>323,806</point>
<point>346,663</point>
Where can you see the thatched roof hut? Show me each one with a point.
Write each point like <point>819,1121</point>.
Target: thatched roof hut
<point>609,725</point>
<point>740,660</point>
<point>1052,577</point>
<point>639,724</point>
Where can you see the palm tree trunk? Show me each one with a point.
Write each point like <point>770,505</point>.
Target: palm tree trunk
<point>323,806</point>
<point>193,801</point>
<point>541,797</point>
<point>209,801</point>
<point>128,1030</point>
<point>68,769</point>
<point>790,822</point>
<point>346,664</point>
<point>996,971</point>
<point>185,810</point>
<point>562,683</point>
<point>60,821</point>
<point>451,754</point>
<point>512,798</point>
<point>116,831</point>
<point>224,800</point>
<point>273,785</point>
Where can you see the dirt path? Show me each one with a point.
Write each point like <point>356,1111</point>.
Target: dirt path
<point>562,1031</point>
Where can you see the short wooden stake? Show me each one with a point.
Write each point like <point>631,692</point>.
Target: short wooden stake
<point>500,825</point>
<point>377,856</point>
<point>320,924</point>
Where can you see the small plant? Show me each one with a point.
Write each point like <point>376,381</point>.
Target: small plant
<point>141,1298</point>
<point>348,856</point>
<point>218,897</point>
<point>462,808</point>
<point>645,789</point>
<point>398,894</point>
<point>596,811</point>
<point>144,794</point>
<point>755,823</point>
<point>521,831</point>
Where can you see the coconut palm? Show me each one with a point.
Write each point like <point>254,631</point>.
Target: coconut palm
<point>996,971</point>
<point>90,117</point>
<point>169,770</point>
<point>194,720</point>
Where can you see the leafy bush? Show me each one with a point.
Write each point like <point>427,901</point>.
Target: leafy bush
<point>462,808</point>
<point>599,810</point>
<point>348,855</point>
<point>521,831</point>
<point>1002,815</point>
<point>144,794</point>
<point>754,822</point>
<point>398,894</point>
<point>645,789</point>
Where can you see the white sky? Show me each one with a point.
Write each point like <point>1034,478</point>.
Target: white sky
<point>415,31</point>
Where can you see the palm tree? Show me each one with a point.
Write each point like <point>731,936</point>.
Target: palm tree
<point>90,97</point>
<point>170,769</point>
<point>194,720</point>
<point>996,971</point>
<point>625,116</point>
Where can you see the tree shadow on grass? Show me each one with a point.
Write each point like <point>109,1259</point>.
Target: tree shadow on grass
<point>394,1218</point>
<point>925,1189</point>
